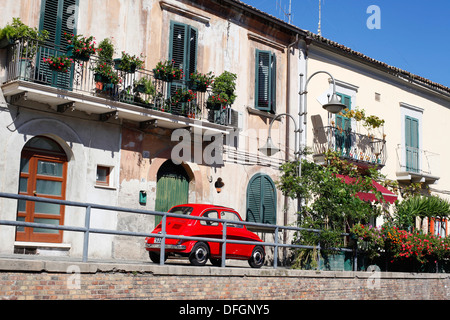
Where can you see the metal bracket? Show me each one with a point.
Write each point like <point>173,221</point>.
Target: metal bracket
<point>16,97</point>
<point>65,106</point>
<point>106,116</point>
<point>149,124</point>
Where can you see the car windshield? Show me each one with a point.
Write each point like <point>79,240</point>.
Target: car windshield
<point>182,210</point>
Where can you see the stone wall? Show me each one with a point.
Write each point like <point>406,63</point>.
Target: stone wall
<point>37,279</point>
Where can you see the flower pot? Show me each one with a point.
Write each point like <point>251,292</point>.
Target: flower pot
<point>197,86</point>
<point>24,71</point>
<point>5,42</point>
<point>77,55</point>
<point>117,66</point>
<point>213,106</point>
<point>140,88</point>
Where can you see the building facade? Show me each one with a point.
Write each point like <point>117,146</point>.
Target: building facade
<point>72,136</point>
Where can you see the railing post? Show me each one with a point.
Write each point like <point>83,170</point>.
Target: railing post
<point>275,253</point>
<point>162,252</point>
<point>87,223</point>
<point>224,244</point>
<point>318,255</point>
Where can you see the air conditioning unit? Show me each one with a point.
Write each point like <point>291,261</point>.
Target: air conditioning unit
<point>236,119</point>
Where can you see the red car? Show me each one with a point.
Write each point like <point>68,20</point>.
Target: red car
<point>199,252</point>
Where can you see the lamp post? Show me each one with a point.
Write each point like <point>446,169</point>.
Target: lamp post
<point>334,106</point>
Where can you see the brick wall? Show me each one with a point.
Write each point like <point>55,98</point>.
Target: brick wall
<point>55,280</point>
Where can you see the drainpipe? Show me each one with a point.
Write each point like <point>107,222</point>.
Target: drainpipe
<point>288,87</point>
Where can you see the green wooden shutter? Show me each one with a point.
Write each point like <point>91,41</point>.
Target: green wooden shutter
<point>273,86</point>
<point>412,144</point>
<point>57,17</point>
<point>261,200</point>
<point>343,137</point>
<point>269,202</point>
<point>254,199</point>
<point>265,75</point>
<point>183,47</point>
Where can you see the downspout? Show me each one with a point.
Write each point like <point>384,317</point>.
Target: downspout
<point>288,91</point>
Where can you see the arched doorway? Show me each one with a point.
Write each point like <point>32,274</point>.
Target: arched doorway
<point>261,199</point>
<point>172,187</point>
<point>43,173</point>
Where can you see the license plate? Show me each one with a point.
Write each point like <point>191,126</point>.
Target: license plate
<point>158,240</point>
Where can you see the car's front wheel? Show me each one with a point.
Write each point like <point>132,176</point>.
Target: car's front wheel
<point>257,258</point>
<point>199,254</point>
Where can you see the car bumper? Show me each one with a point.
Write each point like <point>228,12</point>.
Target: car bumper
<point>167,246</point>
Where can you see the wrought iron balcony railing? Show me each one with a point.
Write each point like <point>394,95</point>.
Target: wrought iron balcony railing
<point>417,164</point>
<point>25,62</point>
<point>362,149</point>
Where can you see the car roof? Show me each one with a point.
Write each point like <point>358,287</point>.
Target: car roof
<point>200,207</point>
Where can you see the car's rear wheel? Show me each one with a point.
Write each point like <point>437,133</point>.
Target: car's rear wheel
<point>257,258</point>
<point>199,254</point>
<point>155,257</point>
<point>216,262</point>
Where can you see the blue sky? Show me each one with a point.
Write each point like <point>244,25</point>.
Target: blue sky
<point>414,35</point>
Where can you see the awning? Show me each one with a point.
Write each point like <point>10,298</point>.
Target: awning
<point>388,195</point>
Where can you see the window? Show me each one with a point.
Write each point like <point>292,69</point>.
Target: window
<point>227,215</point>
<point>103,174</point>
<point>183,47</point>
<point>412,144</point>
<point>57,17</point>
<point>210,214</point>
<point>265,82</point>
<point>344,126</point>
<point>261,200</point>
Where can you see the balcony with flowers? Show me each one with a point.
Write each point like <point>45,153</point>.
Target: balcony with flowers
<point>83,76</point>
<point>354,136</point>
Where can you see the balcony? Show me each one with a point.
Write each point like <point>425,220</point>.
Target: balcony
<point>417,165</point>
<point>29,77</point>
<point>363,150</point>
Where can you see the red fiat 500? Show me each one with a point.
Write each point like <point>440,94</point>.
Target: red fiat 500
<point>199,252</point>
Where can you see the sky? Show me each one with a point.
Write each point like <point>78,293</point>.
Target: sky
<point>412,35</point>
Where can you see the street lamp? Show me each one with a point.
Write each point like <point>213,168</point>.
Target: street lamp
<point>269,149</point>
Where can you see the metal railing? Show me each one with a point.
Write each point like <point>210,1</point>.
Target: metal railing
<point>87,229</point>
<point>418,161</point>
<point>350,145</point>
<point>25,61</point>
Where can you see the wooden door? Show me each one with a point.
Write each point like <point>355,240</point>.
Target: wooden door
<point>43,172</point>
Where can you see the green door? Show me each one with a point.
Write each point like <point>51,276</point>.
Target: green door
<point>172,187</point>
<point>412,144</point>
<point>343,128</point>
<point>261,200</point>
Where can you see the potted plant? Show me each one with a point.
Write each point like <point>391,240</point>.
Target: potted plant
<point>199,81</point>
<point>183,95</point>
<point>59,64</point>
<point>166,71</point>
<point>80,47</point>
<point>129,63</point>
<point>17,30</point>
<point>104,74</point>
<point>223,91</point>
<point>144,85</point>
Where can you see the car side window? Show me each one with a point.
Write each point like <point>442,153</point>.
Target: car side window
<point>227,215</point>
<point>210,214</point>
